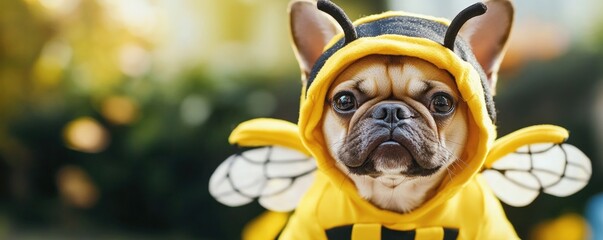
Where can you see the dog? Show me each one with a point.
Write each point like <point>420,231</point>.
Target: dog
<point>395,124</point>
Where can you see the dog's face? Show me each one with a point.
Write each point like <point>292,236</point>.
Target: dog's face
<point>392,117</point>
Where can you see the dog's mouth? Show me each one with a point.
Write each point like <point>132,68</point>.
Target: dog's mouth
<point>391,158</point>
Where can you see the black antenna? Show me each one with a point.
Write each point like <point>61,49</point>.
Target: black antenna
<point>339,15</point>
<point>460,19</point>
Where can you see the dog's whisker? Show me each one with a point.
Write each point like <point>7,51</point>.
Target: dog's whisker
<point>461,162</point>
<point>453,142</point>
<point>456,164</point>
<point>336,144</point>
<point>450,173</point>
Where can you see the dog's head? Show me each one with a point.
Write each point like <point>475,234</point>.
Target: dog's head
<point>393,117</point>
<point>390,116</point>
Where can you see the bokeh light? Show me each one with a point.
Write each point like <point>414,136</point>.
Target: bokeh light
<point>261,103</point>
<point>120,110</point>
<point>60,7</point>
<point>195,110</point>
<point>138,16</point>
<point>134,60</point>
<point>594,215</point>
<point>570,226</point>
<point>76,187</point>
<point>86,135</point>
<point>49,68</point>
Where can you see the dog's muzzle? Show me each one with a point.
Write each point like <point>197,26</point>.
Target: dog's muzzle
<point>395,137</point>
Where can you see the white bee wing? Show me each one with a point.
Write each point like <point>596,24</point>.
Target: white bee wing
<point>276,176</point>
<point>556,169</point>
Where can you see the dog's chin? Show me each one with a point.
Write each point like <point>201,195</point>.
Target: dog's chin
<point>391,160</point>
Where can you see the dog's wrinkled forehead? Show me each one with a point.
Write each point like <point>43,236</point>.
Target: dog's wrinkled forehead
<point>410,26</point>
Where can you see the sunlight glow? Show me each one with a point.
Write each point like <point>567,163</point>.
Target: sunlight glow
<point>268,103</point>
<point>139,16</point>
<point>76,187</point>
<point>49,67</point>
<point>195,110</point>
<point>120,110</point>
<point>86,135</point>
<point>60,7</point>
<point>134,60</point>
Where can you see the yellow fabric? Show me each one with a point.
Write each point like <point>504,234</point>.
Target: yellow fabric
<point>270,224</point>
<point>429,233</point>
<point>474,211</point>
<point>265,132</point>
<point>463,202</point>
<point>366,231</point>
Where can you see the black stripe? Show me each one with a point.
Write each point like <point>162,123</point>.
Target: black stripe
<point>451,234</point>
<point>343,232</point>
<point>388,234</point>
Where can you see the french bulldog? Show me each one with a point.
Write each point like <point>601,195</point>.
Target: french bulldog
<point>396,125</point>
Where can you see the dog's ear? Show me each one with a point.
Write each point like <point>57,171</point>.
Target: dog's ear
<point>311,30</point>
<point>487,34</point>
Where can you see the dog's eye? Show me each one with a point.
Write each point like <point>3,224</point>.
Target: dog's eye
<point>344,102</point>
<point>441,103</point>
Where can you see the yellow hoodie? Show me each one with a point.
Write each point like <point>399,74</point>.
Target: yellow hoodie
<point>464,207</point>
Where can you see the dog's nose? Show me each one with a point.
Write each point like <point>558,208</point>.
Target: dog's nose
<point>392,113</point>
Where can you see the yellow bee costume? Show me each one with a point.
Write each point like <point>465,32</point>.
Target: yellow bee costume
<point>290,168</point>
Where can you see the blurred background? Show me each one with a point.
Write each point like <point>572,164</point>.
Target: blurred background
<point>113,114</point>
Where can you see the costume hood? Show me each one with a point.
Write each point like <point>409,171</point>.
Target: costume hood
<point>401,34</point>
